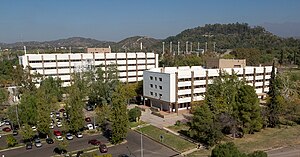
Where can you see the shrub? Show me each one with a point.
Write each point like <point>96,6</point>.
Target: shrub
<point>134,114</point>
<point>11,141</point>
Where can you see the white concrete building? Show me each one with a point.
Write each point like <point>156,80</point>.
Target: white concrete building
<point>130,65</point>
<point>174,88</point>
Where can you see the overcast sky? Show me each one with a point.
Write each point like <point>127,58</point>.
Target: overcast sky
<point>114,20</point>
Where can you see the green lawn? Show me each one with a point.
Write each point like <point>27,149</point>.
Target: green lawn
<point>267,139</point>
<point>177,128</point>
<point>169,139</point>
<point>135,124</point>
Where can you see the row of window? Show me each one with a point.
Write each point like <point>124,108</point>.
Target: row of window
<point>83,60</point>
<point>151,86</point>
<point>156,94</point>
<point>160,79</point>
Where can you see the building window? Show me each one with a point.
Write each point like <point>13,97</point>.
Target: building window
<point>151,78</point>
<point>155,94</point>
<point>160,87</point>
<point>155,78</point>
<point>160,95</point>
<point>156,86</point>
<point>160,79</point>
<point>151,93</point>
<point>151,85</point>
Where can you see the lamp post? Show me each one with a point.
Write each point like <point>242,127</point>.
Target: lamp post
<point>142,152</point>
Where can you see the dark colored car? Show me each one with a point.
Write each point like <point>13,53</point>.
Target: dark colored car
<point>6,129</point>
<point>15,132</point>
<point>88,119</point>
<point>123,155</point>
<point>103,148</point>
<point>49,140</point>
<point>59,151</point>
<point>28,145</point>
<point>94,142</point>
<point>79,153</point>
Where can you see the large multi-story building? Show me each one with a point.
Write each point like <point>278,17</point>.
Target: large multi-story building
<point>130,65</point>
<point>174,88</point>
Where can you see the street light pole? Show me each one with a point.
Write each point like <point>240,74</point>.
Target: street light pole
<point>142,152</point>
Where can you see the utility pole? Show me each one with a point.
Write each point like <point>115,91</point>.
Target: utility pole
<point>214,46</point>
<point>186,46</point>
<point>171,47</point>
<point>191,47</point>
<point>205,46</point>
<point>178,48</point>
<point>163,51</point>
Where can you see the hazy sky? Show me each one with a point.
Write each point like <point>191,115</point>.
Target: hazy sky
<point>113,20</point>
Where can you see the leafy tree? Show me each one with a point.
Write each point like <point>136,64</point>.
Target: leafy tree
<point>275,100</point>
<point>27,109</point>
<point>43,111</point>
<point>134,114</point>
<point>53,89</point>
<point>11,141</point>
<point>130,91</point>
<point>3,95</point>
<point>227,150</point>
<point>119,115</point>
<point>27,132</point>
<point>74,108</point>
<point>12,114</point>
<point>103,114</point>
<point>204,126</point>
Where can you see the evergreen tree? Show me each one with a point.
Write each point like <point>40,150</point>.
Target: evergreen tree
<point>119,115</point>
<point>204,127</point>
<point>274,101</point>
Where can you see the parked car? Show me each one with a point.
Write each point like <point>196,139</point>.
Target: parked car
<point>69,136</point>
<point>123,155</point>
<point>62,110</point>
<point>51,115</point>
<point>90,126</point>
<point>6,129</point>
<point>59,124</point>
<point>59,151</point>
<point>33,128</point>
<point>28,145</point>
<point>88,119</point>
<point>78,135</point>
<point>59,138</point>
<point>51,126</point>
<point>57,133</point>
<point>103,148</point>
<point>79,153</point>
<point>15,132</point>
<point>2,123</point>
<point>57,114</point>
<point>49,140</point>
<point>37,143</point>
<point>94,142</point>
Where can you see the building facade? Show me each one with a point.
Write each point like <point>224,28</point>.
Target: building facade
<point>174,88</point>
<point>98,50</point>
<point>130,65</point>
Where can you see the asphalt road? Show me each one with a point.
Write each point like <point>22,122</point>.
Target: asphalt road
<point>293,151</point>
<point>132,147</point>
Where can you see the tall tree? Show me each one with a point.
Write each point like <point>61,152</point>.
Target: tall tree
<point>274,102</point>
<point>27,108</point>
<point>43,110</point>
<point>119,115</point>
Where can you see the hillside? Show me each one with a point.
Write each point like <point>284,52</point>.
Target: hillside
<point>134,43</point>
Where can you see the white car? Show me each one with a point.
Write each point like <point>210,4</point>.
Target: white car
<point>78,135</point>
<point>58,124</point>
<point>51,114</point>
<point>33,128</point>
<point>51,126</point>
<point>59,138</point>
<point>69,136</point>
<point>90,126</point>
<point>2,123</point>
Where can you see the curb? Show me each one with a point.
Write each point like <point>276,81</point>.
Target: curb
<point>12,148</point>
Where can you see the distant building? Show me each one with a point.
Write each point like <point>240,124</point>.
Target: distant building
<point>174,88</point>
<point>225,63</point>
<point>130,65</point>
<point>98,50</point>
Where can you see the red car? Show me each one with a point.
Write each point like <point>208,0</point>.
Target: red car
<point>62,110</point>
<point>6,129</point>
<point>88,119</point>
<point>94,142</point>
<point>57,133</point>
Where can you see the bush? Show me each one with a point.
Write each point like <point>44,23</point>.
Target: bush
<point>258,154</point>
<point>11,141</point>
<point>134,114</point>
<point>178,123</point>
<point>227,150</point>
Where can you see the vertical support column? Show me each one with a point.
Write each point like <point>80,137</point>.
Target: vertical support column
<point>146,60</point>
<point>176,92</point>
<point>94,61</point>
<point>43,66</point>
<point>155,61</point>
<point>254,77</point>
<point>136,67</point>
<point>192,86</point>
<point>70,69</point>
<point>105,67</point>
<point>56,66</point>
<point>264,80</point>
<point>244,74</point>
<point>126,67</point>
<point>206,83</point>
